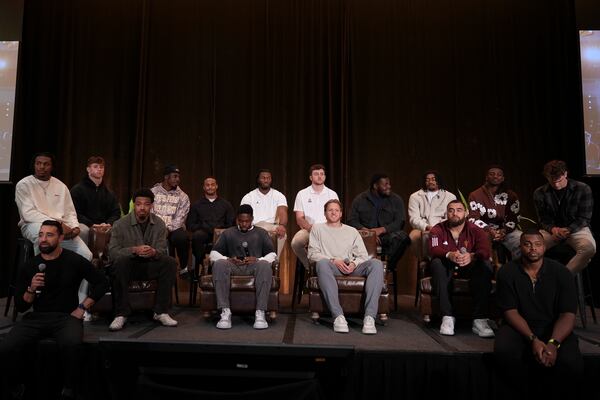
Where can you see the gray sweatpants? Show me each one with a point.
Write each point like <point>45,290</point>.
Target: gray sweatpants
<point>222,271</point>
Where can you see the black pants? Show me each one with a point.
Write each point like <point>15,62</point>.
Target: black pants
<point>127,269</point>
<point>479,273</point>
<point>180,241</point>
<point>62,327</point>
<point>200,239</point>
<point>521,376</point>
<point>393,246</point>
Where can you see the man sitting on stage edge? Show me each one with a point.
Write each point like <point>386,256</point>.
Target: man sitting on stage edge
<point>243,250</point>
<point>49,283</point>
<point>462,249</point>
<point>538,298</point>
<point>138,249</point>
<point>339,249</point>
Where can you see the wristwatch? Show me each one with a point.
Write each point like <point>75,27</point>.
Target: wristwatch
<point>81,306</point>
<point>532,337</point>
<point>555,342</point>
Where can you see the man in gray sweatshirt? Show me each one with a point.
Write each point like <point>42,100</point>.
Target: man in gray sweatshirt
<point>339,249</point>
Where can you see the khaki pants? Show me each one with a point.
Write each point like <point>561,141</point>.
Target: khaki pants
<point>582,242</point>
<point>270,227</point>
<point>299,243</point>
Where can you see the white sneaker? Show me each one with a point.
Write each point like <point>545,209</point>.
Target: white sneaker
<point>225,321</point>
<point>447,327</point>
<point>369,325</point>
<point>165,319</point>
<point>117,324</point>
<point>340,325</point>
<point>87,316</point>
<point>259,320</point>
<point>184,271</point>
<point>482,328</point>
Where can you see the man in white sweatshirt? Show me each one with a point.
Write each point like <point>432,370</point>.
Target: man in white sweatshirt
<point>41,197</point>
<point>339,249</point>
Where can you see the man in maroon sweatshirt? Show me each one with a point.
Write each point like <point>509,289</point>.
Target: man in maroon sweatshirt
<point>460,249</point>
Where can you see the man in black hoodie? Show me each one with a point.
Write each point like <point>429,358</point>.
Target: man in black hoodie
<point>97,207</point>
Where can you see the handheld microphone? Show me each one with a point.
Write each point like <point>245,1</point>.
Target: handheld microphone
<point>245,246</point>
<point>41,268</point>
<point>346,261</point>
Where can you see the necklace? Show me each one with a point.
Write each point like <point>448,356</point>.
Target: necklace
<point>44,188</point>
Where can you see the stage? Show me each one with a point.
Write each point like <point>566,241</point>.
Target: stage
<point>293,358</point>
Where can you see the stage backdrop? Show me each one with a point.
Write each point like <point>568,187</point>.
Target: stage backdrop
<point>227,87</point>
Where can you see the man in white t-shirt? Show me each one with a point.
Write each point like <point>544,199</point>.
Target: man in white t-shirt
<point>270,207</point>
<point>308,208</point>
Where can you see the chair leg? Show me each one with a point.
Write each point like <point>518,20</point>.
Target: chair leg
<point>298,280</point>
<point>581,299</point>
<point>176,288</point>
<point>315,317</point>
<point>8,300</point>
<point>395,279</point>
<point>417,290</point>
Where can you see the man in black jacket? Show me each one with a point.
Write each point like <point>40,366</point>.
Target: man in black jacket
<point>382,211</point>
<point>49,282</point>
<point>97,207</point>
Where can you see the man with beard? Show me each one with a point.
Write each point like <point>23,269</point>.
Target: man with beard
<point>564,207</point>
<point>495,208</point>
<point>49,283</point>
<point>243,250</point>
<point>138,249</point>
<point>270,207</point>
<point>459,248</point>
<point>208,213</point>
<point>172,205</point>
<point>538,298</point>
<point>40,197</point>
<point>97,207</point>
<point>381,211</point>
<point>427,207</point>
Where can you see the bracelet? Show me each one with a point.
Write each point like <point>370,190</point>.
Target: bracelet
<point>555,342</point>
<point>532,337</point>
<point>81,306</point>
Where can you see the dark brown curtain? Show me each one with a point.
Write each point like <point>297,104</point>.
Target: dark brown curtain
<point>227,87</point>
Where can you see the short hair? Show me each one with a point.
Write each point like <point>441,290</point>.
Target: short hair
<point>315,167</point>
<point>336,201</point>
<point>245,209</point>
<point>43,154</point>
<point>554,168</point>
<point>263,171</point>
<point>143,192</point>
<point>456,201</point>
<point>530,232</point>
<point>209,177</point>
<point>95,160</point>
<point>56,224</point>
<point>376,177</point>
<point>438,178</point>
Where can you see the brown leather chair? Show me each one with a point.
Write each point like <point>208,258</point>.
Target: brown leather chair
<point>461,295</point>
<point>243,292</point>
<point>351,288</point>
<point>141,293</point>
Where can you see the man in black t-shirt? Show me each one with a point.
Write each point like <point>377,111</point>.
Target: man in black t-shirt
<point>243,250</point>
<point>537,297</point>
<point>49,282</point>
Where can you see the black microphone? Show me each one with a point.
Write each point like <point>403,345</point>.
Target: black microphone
<point>347,261</point>
<point>245,246</point>
<point>41,268</point>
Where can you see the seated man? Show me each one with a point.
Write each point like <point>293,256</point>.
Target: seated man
<point>138,249</point>
<point>270,207</point>
<point>40,197</point>
<point>308,208</point>
<point>339,249</point>
<point>495,208</point>
<point>538,298</point>
<point>462,249</point>
<point>208,213</point>
<point>49,283</point>
<point>381,211</point>
<point>427,207</point>
<point>172,205</point>
<point>564,207</point>
<point>243,250</point>
<point>97,207</point>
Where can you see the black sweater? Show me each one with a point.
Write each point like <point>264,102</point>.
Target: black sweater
<point>95,204</point>
<point>63,276</point>
<point>207,215</point>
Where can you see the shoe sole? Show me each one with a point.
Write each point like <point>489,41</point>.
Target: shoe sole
<point>369,332</point>
<point>341,330</point>
<point>481,335</point>
<point>446,333</point>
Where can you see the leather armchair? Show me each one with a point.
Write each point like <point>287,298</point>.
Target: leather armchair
<point>243,292</point>
<point>351,288</point>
